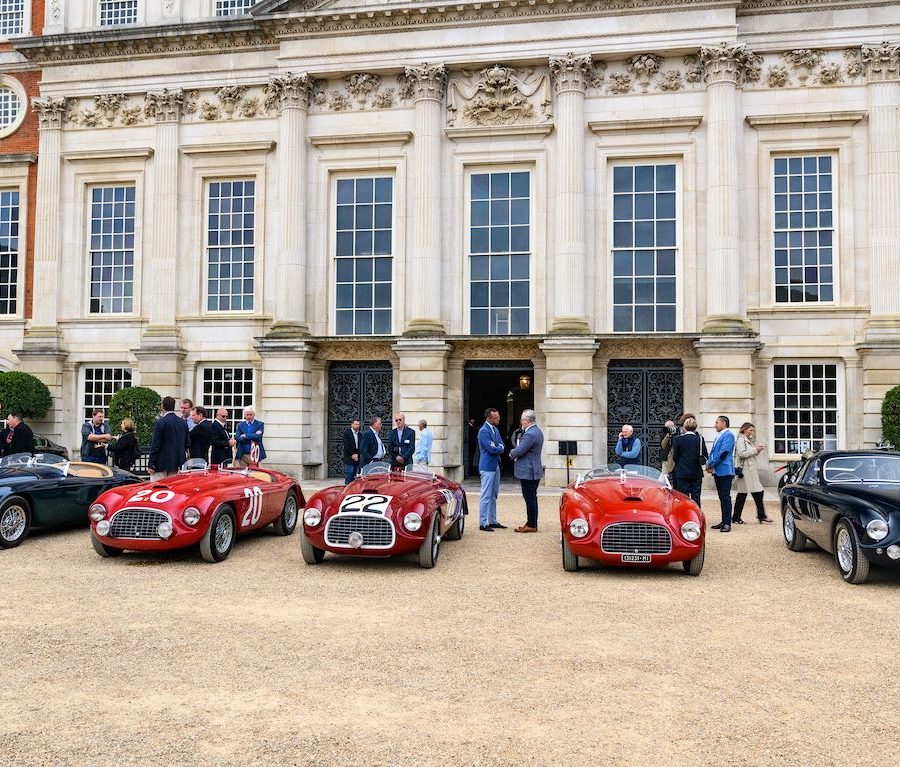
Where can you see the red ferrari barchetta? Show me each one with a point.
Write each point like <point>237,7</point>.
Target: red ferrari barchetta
<point>384,513</point>
<point>206,505</point>
<point>630,517</point>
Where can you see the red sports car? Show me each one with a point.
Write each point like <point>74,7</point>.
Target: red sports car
<point>384,513</point>
<point>630,517</point>
<point>200,504</point>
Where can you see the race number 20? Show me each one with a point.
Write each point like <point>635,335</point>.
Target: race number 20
<point>254,506</point>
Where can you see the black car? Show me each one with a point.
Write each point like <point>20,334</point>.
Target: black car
<point>44,445</point>
<point>48,491</point>
<point>847,503</point>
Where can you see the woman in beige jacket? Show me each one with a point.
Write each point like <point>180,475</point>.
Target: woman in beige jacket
<point>746,453</point>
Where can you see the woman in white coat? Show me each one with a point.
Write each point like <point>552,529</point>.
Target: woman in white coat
<point>746,454</point>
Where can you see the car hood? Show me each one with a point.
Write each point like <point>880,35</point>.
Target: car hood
<point>402,489</point>
<point>884,496</point>
<point>612,497</point>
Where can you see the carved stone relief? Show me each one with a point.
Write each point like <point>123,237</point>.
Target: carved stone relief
<point>499,95</point>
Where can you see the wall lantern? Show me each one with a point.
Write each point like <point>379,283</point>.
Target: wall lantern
<point>524,383</point>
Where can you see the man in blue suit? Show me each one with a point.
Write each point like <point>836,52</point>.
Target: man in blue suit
<point>529,468</point>
<point>491,447</point>
<point>170,442</point>
<point>371,448</point>
<point>721,465</point>
<point>401,443</point>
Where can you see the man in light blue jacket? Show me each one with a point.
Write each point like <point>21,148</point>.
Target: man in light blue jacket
<point>529,468</point>
<point>628,448</point>
<point>721,465</point>
<point>422,456</point>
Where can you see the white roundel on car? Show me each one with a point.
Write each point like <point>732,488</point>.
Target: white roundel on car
<point>370,503</point>
<point>450,497</point>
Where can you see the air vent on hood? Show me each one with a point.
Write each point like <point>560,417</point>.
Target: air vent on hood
<point>636,498</point>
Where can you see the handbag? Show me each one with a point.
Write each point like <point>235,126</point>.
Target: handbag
<point>738,465</point>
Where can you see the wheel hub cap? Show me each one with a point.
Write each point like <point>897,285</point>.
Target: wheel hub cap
<point>845,551</point>
<point>788,526</point>
<point>13,523</point>
<point>290,512</point>
<point>223,534</point>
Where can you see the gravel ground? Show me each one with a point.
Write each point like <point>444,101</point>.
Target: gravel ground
<point>495,657</point>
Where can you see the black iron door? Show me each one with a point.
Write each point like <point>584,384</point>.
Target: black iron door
<point>645,394</point>
<point>356,390</point>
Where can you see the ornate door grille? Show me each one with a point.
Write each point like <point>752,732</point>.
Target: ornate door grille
<point>645,394</point>
<point>356,390</point>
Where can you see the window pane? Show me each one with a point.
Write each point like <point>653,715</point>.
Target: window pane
<point>9,250</point>
<point>804,422</point>
<point>111,258</point>
<point>225,264</point>
<point>117,12</point>
<point>230,388</point>
<point>99,386</point>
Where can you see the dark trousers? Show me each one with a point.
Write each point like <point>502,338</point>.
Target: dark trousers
<point>739,505</point>
<point>349,472</point>
<point>529,493</point>
<point>723,488</point>
<point>689,487</point>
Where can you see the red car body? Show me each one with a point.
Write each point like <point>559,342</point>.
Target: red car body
<point>633,518</point>
<point>368,517</point>
<point>250,499</point>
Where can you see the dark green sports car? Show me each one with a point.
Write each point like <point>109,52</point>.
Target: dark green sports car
<point>47,491</point>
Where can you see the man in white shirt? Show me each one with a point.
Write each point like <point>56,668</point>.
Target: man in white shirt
<point>351,451</point>
<point>422,456</point>
<point>371,448</point>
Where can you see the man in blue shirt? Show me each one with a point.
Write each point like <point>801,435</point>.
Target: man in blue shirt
<point>490,443</point>
<point>422,456</point>
<point>628,448</point>
<point>721,465</point>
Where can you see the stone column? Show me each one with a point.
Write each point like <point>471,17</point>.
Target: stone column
<point>883,66</point>
<point>422,384</point>
<point>423,293</point>
<point>725,67</point>
<point>42,353</point>
<point>290,94</point>
<point>569,404</point>
<point>285,404</point>
<point>160,354</point>
<point>570,76</point>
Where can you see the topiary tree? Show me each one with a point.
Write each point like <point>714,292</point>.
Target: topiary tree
<point>890,417</point>
<point>139,403</point>
<point>25,393</point>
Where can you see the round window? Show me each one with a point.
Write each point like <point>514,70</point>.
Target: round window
<point>13,102</point>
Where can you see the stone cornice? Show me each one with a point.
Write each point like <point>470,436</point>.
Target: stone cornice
<point>689,122</point>
<point>90,155</point>
<point>753,7</point>
<point>244,147</point>
<point>18,159</point>
<point>499,131</point>
<point>804,118</point>
<point>350,139</point>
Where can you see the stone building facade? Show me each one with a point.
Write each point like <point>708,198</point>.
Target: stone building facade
<point>612,211</point>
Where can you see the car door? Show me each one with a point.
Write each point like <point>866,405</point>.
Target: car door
<point>798,497</point>
<point>63,500</point>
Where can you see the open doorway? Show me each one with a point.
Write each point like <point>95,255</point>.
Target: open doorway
<point>507,385</point>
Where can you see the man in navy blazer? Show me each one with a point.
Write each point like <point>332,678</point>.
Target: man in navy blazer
<point>401,443</point>
<point>371,448</point>
<point>170,442</point>
<point>529,467</point>
<point>721,465</point>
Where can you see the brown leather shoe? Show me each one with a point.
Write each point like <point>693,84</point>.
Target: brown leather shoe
<point>526,529</point>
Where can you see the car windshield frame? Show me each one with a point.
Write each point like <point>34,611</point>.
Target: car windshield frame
<point>623,474</point>
<point>29,461</point>
<point>418,472</point>
<point>837,470</point>
<point>374,468</point>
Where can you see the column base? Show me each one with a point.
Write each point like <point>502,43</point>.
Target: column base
<point>570,326</point>
<point>41,341</point>
<point>287,330</point>
<point>161,338</point>
<point>883,329</point>
<point>726,379</point>
<point>42,355</point>
<point>727,325</point>
<point>423,327</point>
<point>159,360</point>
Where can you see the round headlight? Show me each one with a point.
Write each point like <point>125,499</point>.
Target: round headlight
<point>191,516</point>
<point>877,529</point>
<point>103,527</point>
<point>578,528</point>
<point>412,521</point>
<point>690,531</point>
<point>164,530</point>
<point>97,512</point>
<point>312,516</point>
<point>893,551</point>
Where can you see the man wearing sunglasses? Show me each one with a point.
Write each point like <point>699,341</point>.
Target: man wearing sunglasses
<point>401,443</point>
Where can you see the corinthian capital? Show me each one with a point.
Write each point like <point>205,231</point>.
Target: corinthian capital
<point>51,112</point>
<point>288,91</point>
<point>164,106</point>
<point>729,62</point>
<point>426,82</point>
<point>571,72</point>
<point>882,61</point>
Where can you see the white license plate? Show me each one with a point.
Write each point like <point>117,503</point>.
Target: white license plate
<point>635,557</point>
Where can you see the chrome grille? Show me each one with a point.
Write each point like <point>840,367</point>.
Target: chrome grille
<point>377,532</point>
<point>635,538</point>
<point>137,524</point>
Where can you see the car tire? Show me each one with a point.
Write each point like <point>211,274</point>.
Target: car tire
<point>848,554</point>
<point>431,546</point>
<point>312,555</point>
<point>103,550</point>
<point>695,566</point>
<point>569,559</point>
<point>15,521</point>
<point>455,533</point>
<point>793,538</point>
<point>218,539</point>
<point>287,520</point>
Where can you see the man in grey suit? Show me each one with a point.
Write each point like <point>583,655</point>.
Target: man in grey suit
<point>528,468</point>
